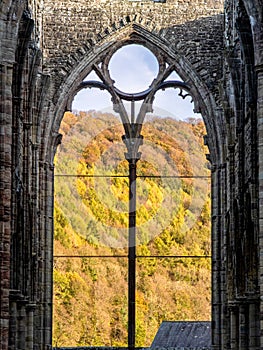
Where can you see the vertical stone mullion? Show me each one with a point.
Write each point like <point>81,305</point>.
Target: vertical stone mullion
<point>223,251</point>
<point>35,214</point>
<point>49,252</point>
<point>40,273</point>
<point>216,260</point>
<point>27,204</point>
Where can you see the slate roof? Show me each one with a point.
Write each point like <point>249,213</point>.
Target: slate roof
<point>191,334</point>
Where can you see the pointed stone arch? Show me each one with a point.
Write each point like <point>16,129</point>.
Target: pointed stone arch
<point>66,78</point>
<point>205,85</point>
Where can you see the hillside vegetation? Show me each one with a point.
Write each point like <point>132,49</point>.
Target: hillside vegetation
<point>173,218</point>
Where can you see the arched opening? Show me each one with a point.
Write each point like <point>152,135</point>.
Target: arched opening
<point>172,207</point>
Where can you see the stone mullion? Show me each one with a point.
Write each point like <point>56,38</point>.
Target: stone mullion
<point>26,174</point>
<point>44,282</point>
<point>231,196</point>
<point>35,214</point>
<point>27,203</point>
<point>48,259</point>
<point>231,293</point>
<point>6,73</point>
<point>35,332</point>
<point>225,333</point>
<point>26,207</point>
<point>216,259</point>
<point>40,271</point>
<point>18,190</point>
<point>260,176</point>
<point>36,261</point>
<point>240,167</point>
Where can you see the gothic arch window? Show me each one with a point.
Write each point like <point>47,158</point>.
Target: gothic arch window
<point>160,181</point>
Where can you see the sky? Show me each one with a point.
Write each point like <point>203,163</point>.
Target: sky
<point>133,68</point>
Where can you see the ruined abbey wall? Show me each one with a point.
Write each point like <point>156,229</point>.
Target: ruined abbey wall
<point>71,32</point>
<point>46,49</point>
<point>85,27</point>
<point>191,33</point>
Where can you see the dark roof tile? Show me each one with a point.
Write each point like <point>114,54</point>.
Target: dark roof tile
<point>191,334</point>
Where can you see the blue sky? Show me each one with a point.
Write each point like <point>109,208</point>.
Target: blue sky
<point>133,68</point>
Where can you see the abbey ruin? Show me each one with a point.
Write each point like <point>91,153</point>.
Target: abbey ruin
<point>47,48</point>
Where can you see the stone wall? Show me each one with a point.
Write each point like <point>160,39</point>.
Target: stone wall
<point>35,8</point>
<point>237,243</point>
<point>47,48</point>
<point>69,25</point>
<point>8,32</point>
<point>73,29</point>
<point>191,34</point>
<point>22,254</point>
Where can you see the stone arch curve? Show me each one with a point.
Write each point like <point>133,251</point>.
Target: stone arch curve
<point>65,79</point>
<point>206,101</point>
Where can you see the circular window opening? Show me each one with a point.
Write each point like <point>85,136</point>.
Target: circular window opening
<point>133,68</point>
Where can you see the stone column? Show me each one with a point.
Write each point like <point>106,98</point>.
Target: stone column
<point>49,252</point>
<point>45,268</point>
<point>243,327</point>
<point>222,199</point>
<point>14,297</point>
<point>216,259</point>
<point>253,326</point>
<point>233,327</point>
<point>36,216</point>
<point>260,174</point>
<point>21,325</point>
<point>6,72</point>
<point>30,308</point>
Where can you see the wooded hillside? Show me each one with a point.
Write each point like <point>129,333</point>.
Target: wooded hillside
<point>173,218</point>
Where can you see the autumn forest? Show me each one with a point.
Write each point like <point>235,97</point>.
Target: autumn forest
<point>91,220</point>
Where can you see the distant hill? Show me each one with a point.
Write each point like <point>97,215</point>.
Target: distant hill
<point>173,218</point>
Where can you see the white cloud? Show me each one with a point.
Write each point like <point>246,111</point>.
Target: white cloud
<point>88,99</point>
<point>133,68</point>
<point>173,105</point>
